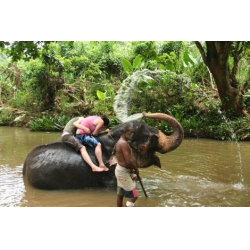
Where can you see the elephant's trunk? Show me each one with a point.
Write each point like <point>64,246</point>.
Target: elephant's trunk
<point>168,143</point>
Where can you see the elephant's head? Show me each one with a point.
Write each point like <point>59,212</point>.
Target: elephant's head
<point>148,140</point>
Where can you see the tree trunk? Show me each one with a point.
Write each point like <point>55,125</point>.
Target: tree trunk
<point>216,59</point>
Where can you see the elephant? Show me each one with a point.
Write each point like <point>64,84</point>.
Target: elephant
<point>56,165</point>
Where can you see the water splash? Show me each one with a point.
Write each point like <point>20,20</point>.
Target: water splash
<point>234,138</point>
<point>238,186</point>
<point>130,89</point>
<point>240,161</point>
<point>137,116</point>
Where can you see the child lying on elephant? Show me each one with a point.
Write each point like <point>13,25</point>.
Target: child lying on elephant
<point>69,138</point>
<point>88,128</point>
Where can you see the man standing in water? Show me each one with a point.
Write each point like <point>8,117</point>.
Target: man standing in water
<point>126,185</point>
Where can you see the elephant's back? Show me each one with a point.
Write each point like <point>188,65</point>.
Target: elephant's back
<point>50,153</point>
<point>46,155</point>
<point>56,165</point>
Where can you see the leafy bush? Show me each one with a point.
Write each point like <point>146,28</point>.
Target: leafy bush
<point>7,116</point>
<point>56,123</point>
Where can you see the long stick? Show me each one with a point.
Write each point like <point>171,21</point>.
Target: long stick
<point>142,185</point>
<point>139,178</point>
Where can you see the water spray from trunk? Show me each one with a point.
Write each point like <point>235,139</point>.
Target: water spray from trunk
<point>129,90</point>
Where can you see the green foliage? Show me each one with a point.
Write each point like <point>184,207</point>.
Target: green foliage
<point>56,123</point>
<point>105,100</point>
<point>23,99</point>
<point>188,59</point>
<point>71,108</point>
<point>137,62</point>
<point>148,50</point>
<point>113,121</point>
<point>4,61</point>
<point>127,65</point>
<point>23,50</point>
<point>159,90</point>
<point>167,61</point>
<point>7,116</point>
<point>100,95</point>
<point>129,68</point>
<point>169,47</point>
<point>82,78</point>
<point>4,44</point>
<point>107,47</point>
<point>174,55</point>
<point>110,64</point>
<point>78,65</point>
<point>93,72</point>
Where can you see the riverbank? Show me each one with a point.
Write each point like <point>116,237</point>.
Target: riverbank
<point>206,125</point>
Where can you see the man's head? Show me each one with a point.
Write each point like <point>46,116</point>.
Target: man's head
<point>128,131</point>
<point>105,120</point>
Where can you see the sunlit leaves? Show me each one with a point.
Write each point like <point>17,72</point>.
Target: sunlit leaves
<point>137,62</point>
<point>127,65</point>
<point>3,44</point>
<point>188,60</point>
<point>100,95</point>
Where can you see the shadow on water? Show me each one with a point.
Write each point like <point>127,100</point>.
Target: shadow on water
<point>199,173</point>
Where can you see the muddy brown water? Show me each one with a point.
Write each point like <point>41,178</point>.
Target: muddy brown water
<point>200,173</point>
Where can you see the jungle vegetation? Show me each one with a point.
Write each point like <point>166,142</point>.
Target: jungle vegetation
<point>204,85</point>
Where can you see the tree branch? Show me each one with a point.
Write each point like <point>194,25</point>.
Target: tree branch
<point>202,52</point>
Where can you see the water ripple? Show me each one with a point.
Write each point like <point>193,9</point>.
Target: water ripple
<point>12,186</point>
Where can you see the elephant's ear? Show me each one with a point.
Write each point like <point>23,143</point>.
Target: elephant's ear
<point>133,145</point>
<point>113,150</point>
<point>157,161</point>
<point>112,161</point>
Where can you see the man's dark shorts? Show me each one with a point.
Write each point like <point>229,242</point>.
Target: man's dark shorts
<point>87,140</point>
<point>128,194</point>
<point>72,141</point>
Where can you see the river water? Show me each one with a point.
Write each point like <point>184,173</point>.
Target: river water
<point>199,173</point>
